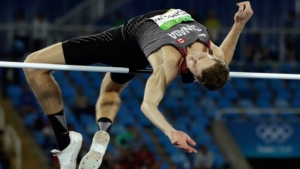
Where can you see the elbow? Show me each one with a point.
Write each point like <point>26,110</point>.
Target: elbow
<point>146,106</point>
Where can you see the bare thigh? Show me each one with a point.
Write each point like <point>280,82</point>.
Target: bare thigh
<point>53,54</point>
<point>41,82</point>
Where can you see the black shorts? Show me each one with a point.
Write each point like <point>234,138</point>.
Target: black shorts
<point>108,48</point>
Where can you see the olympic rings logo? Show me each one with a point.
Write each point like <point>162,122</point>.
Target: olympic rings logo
<point>274,133</point>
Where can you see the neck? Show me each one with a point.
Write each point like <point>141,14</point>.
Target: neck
<point>196,46</point>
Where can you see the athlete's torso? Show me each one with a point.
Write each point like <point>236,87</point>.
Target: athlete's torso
<point>149,37</point>
<point>146,36</point>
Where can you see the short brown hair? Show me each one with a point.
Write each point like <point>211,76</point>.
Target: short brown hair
<point>216,76</point>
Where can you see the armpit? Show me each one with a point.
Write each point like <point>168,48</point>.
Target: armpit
<point>218,52</point>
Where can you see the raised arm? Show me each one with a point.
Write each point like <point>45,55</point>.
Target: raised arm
<point>165,71</point>
<point>241,17</point>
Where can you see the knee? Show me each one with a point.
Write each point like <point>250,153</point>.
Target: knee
<point>109,86</point>
<point>112,96</point>
<point>31,73</point>
<point>109,98</point>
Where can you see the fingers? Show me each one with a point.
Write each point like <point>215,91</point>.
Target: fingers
<point>190,141</point>
<point>193,143</point>
<point>241,10</point>
<point>176,143</point>
<point>244,5</point>
<point>191,150</point>
<point>187,148</point>
<point>241,7</point>
<point>183,141</point>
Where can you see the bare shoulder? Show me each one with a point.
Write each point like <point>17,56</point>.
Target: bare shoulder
<point>165,55</point>
<point>218,52</point>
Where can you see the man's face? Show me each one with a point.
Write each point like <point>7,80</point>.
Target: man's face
<point>198,61</point>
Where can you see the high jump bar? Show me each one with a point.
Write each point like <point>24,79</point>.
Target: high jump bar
<point>134,71</point>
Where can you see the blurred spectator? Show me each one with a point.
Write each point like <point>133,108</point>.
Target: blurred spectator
<point>9,76</point>
<point>39,124</point>
<point>180,159</point>
<point>40,31</point>
<point>28,102</point>
<point>213,25</point>
<point>118,128</point>
<point>4,160</point>
<point>82,103</point>
<point>144,158</point>
<point>255,51</point>
<point>173,166</point>
<point>289,39</point>
<point>119,19</point>
<point>175,93</point>
<point>104,21</point>
<point>54,162</point>
<point>47,131</point>
<point>177,110</point>
<point>118,166</point>
<point>137,141</point>
<point>204,159</point>
<point>108,161</point>
<point>125,160</point>
<point>157,165</point>
<point>21,39</point>
<point>125,139</point>
<point>83,32</point>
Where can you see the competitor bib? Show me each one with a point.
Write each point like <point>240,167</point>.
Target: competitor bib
<point>171,18</point>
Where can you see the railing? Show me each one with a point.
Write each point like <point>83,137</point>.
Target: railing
<point>16,144</point>
<point>89,11</point>
<point>11,140</point>
<point>2,120</point>
<point>223,111</point>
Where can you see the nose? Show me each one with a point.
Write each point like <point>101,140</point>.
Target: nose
<point>194,57</point>
<point>201,56</point>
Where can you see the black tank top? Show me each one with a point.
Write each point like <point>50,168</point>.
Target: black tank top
<point>147,37</point>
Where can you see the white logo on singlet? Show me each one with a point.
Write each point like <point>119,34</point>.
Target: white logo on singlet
<point>184,30</point>
<point>202,34</point>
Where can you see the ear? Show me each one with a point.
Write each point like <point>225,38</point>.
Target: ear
<point>211,56</point>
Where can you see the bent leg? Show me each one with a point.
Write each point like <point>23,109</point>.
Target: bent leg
<point>107,107</point>
<point>49,97</point>
<point>109,100</point>
<point>41,82</point>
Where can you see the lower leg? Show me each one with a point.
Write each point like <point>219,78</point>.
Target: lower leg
<point>49,97</point>
<point>108,103</point>
<point>106,109</point>
<point>45,90</point>
<point>41,82</point>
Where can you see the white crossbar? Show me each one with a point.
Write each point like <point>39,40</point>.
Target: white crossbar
<point>264,75</point>
<point>126,70</point>
<point>64,67</point>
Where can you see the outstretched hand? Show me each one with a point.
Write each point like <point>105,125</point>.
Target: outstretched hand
<point>180,140</point>
<point>244,13</point>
